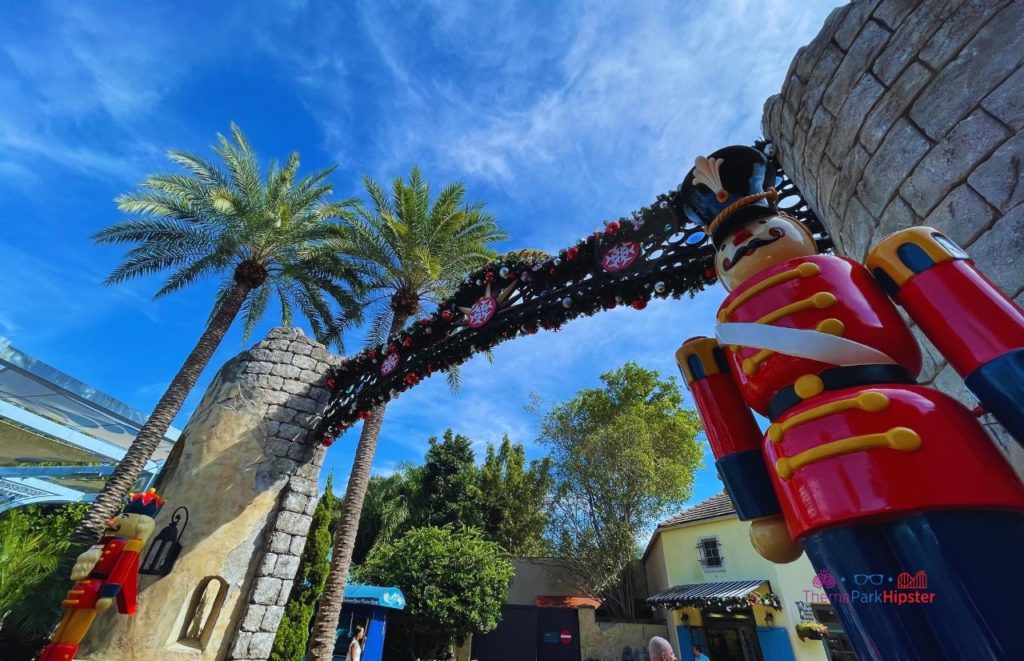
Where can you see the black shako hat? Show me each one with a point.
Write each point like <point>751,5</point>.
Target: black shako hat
<point>728,188</point>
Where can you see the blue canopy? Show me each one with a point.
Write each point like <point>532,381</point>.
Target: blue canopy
<point>374,595</point>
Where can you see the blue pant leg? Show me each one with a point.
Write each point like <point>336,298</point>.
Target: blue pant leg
<point>973,559</point>
<point>999,386</point>
<point>878,631</point>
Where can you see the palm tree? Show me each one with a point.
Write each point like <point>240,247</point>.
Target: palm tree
<point>271,236</point>
<point>409,252</point>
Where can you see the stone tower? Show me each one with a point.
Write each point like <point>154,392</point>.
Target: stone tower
<point>247,471</point>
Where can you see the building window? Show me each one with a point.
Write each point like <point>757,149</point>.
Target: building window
<point>710,554</point>
<point>203,612</point>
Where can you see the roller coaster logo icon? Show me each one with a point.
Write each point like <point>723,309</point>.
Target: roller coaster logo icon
<point>918,581</point>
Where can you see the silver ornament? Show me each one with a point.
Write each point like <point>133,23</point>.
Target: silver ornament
<point>503,271</point>
<point>660,287</point>
<point>566,302</point>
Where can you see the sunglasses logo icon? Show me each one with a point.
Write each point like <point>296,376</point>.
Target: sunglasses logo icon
<point>866,579</point>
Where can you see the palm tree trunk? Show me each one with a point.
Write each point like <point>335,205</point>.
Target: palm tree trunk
<point>321,643</point>
<point>128,469</point>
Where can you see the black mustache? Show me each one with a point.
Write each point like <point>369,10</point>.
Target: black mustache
<point>754,244</point>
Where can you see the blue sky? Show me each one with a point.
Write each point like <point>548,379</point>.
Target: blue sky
<point>558,115</point>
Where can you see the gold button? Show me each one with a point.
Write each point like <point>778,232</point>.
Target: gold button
<point>808,385</point>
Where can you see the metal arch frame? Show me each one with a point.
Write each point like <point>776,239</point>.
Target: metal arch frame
<point>675,258</point>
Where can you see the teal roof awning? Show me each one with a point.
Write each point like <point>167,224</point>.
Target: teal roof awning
<point>375,596</point>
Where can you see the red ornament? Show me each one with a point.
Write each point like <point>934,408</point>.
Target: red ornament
<point>326,441</point>
<point>407,342</point>
<point>571,253</point>
<point>610,303</point>
<point>552,271</point>
<point>373,353</point>
<point>612,227</point>
<point>411,379</point>
<point>709,273</point>
<point>446,315</point>
<point>489,276</point>
<point>365,415</point>
<point>639,303</point>
<point>331,383</point>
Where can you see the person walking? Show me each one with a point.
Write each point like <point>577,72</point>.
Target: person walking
<point>355,648</point>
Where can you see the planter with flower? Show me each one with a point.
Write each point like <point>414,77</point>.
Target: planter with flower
<point>812,630</point>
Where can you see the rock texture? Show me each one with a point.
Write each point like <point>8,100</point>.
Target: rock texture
<point>247,471</point>
<point>905,113</point>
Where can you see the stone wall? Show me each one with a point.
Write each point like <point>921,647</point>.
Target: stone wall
<point>247,472</point>
<point>605,641</point>
<point>904,113</point>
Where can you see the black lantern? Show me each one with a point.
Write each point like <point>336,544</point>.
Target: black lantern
<point>166,546</point>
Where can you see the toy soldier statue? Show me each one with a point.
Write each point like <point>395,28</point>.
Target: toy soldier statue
<point>869,473</point>
<point>107,572</point>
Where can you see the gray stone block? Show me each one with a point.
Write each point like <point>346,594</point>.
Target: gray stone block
<point>299,543</point>
<point>253,617</point>
<point>300,452</point>
<point>1006,102</point>
<point>902,148</point>
<point>816,84</point>
<point>892,13</point>
<point>852,167</point>
<point>893,104</point>
<point>240,647</point>
<point>280,542</point>
<point>855,235</point>
<point>304,405</point>
<point>303,486</point>
<point>281,357</point>
<point>807,57</point>
<point>293,523</point>
<point>272,618</point>
<point>286,589</point>
<point>267,590</point>
<point>998,252</point>
<point>301,347</point>
<point>291,432</point>
<point>277,447</point>
<point>961,26</point>
<point>286,371</point>
<point>276,396</point>
<point>310,376</point>
<point>286,567</point>
<point>851,116</point>
<point>962,215</point>
<point>295,387</point>
<point>304,362</point>
<point>294,502</point>
<point>261,645</point>
<point>898,215</point>
<point>261,354</point>
<point>280,344</point>
<point>911,34</point>
<point>1000,179</point>
<point>976,71</point>
<point>949,162</point>
<point>853,22</point>
<point>870,42</point>
<point>267,565</point>
<point>283,466</point>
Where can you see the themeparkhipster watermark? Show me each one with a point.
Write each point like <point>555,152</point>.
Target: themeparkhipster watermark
<point>900,590</point>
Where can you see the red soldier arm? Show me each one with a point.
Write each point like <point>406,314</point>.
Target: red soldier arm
<point>732,432</point>
<point>122,582</point>
<point>968,319</point>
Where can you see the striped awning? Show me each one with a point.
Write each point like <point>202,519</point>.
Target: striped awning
<point>697,592</point>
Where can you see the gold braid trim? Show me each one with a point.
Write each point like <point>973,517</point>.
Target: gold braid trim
<point>770,194</point>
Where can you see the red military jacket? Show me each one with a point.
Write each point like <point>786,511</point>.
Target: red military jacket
<point>866,452</point>
<point>115,574</point>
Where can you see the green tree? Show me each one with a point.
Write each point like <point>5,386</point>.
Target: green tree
<point>512,499</point>
<point>448,484</point>
<point>34,568</point>
<point>454,582</point>
<point>410,251</point>
<point>622,455</point>
<point>293,632</point>
<point>386,511</point>
<point>265,237</point>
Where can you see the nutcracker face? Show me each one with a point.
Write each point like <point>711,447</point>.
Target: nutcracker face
<point>759,244</point>
<point>132,526</point>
